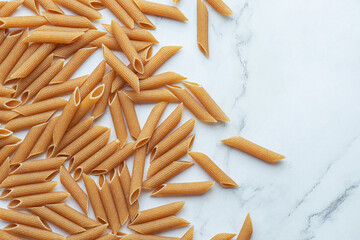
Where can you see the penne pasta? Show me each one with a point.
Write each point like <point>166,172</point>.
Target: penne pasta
<point>109,236</point>
<point>223,236</point>
<point>9,140</point>
<point>165,127</point>
<point>8,103</point>
<point>95,200</point>
<point>51,28</point>
<point>28,178</point>
<point>155,95</point>
<point>27,190</point>
<point>202,28</point>
<point>57,37</point>
<point>4,169</point>
<point>74,189</point>
<point>136,236</point>
<point>66,116</point>
<point>9,43</point>
<point>3,34</point>
<point>100,106</point>
<point>253,149</point>
<point>150,125</point>
<point>138,34</point>
<point>137,174</point>
<point>160,10</point>
<point>40,107</point>
<point>6,91</point>
<point>8,150</point>
<point>93,79</point>
<point>66,50</point>
<point>189,188</point>
<point>246,230</point>
<point>68,20</point>
<point>96,159</point>
<point>6,116</point>
<point>119,197</point>
<point>73,215</point>
<point>194,107</point>
<point>118,119</point>
<point>159,225</point>
<point>111,43</point>
<point>30,4</point>
<point>50,6</point>
<point>189,234</point>
<point>173,139</point>
<point>117,84</point>
<point>220,7</point>
<point>155,213</point>
<point>130,114</point>
<point>32,232</point>
<point>166,174</point>
<point>56,219</point>
<point>95,4</point>
<point>119,12</point>
<point>22,21</point>
<point>10,7</point>
<point>160,80</point>
<point>5,133</point>
<point>140,19</point>
<point>37,165</point>
<point>8,236</point>
<point>23,218</point>
<point>2,3</point>
<point>170,156</point>
<point>213,170</point>
<point>80,9</point>
<point>90,234</point>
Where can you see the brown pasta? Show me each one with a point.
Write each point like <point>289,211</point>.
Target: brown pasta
<point>31,232</point>
<point>6,116</point>
<point>6,91</point>
<point>223,236</point>
<point>189,234</point>
<point>246,230</point>
<point>68,21</point>
<point>23,218</point>
<point>140,19</point>
<point>9,8</point>
<point>27,190</point>
<point>154,95</point>
<point>161,10</point>
<point>202,28</point>
<point>8,44</point>
<point>220,7</point>
<point>118,119</point>
<point>119,197</point>
<point>50,6</point>
<point>137,174</point>
<point>190,188</point>
<point>28,178</point>
<point>93,79</point>
<point>4,169</point>
<point>95,4</point>
<point>9,140</point>
<point>90,234</point>
<point>100,106</point>
<point>8,103</point>
<point>136,236</point>
<point>8,150</point>
<point>37,165</point>
<point>159,225</point>
<point>40,107</point>
<point>111,43</point>
<point>30,4</point>
<point>117,84</point>
<point>80,9</point>
<point>22,21</point>
<point>138,34</point>
<point>57,37</point>
<point>8,236</point>
<point>160,80</point>
<point>51,28</point>
<point>5,133</point>
<point>130,114</point>
<point>38,200</point>
<point>119,12</point>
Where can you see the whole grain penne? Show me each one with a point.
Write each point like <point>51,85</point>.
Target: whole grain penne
<point>253,149</point>
<point>93,79</point>
<point>55,90</point>
<point>5,133</point>
<point>92,233</point>
<point>27,190</point>
<point>80,9</point>
<point>32,232</point>
<point>56,219</point>
<point>50,6</point>
<point>6,116</point>
<point>130,114</point>
<point>202,28</point>
<point>138,34</point>
<point>117,84</point>
<point>40,107</point>
<point>109,204</point>
<point>172,139</point>
<point>37,165</point>
<point>170,156</point>
<point>3,34</point>
<point>4,169</point>
<point>213,170</point>
<point>115,159</point>
<point>111,43</point>
<point>100,106</point>
<point>123,71</point>
<point>30,4</point>
<point>223,236</point>
<point>8,43</point>
<point>68,21</point>
<point>23,218</point>
<point>159,225</point>
<point>57,37</point>
<point>73,215</point>
<point>10,7</point>
<point>154,95</point>
<point>8,150</point>
<point>191,103</point>
<point>137,174</point>
<point>119,197</point>
<point>9,140</point>
<point>73,64</point>
<point>161,10</point>
<point>8,236</point>
<point>96,159</point>
<point>2,3</point>
<point>28,143</point>
<point>95,4</point>
<point>22,21</point>
<point>246,230</point>
<point>28,178</point>
<point>118,119</point>
<point>189,188</point>
<point>109,236</point>
<point>66,50</point>
<point>158,60</point>
<point>140,19</point>
<point>220,7</point>
<point>136,236</point>
<point>166,174</point>
<point>160,80</point>
<point>158,212</point>
<point>51,28</point>
<point>89,151</point>
<point>87,103</point>
<point>165,127</point>
<point>6,91</point>
<point>95,200</point>
<point>119,12</point>
<point>150,125</point>
<point>9,103</point>
<point>189,234</point>
<point>66,116</point>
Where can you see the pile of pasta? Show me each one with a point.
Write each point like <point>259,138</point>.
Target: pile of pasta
<point>33,79</point>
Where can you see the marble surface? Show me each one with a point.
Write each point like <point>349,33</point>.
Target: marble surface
<point>286,73</point>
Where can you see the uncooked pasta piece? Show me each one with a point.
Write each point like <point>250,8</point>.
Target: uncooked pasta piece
<point>51,28</point>
<point>93,79</point>
<point>253,149</point>
<point>9,140</point>
<point>190,102</point>
<point>80,9</point>
<point>158,60</point>
<point>95,4</point>
<point>130,114</point>
<point>189,188</point>
<point>50,6</point>
<point>6,116</point>
<point>3,34</point>
<point>119,12</point>
<point>37,165</point>
<point>246,230</point>
<point>109,236</point>
<point>8,150</point>
<point>159,225</point>
<point>40,107</point>
<point>189,234</point>
<point>32,232</point>
<point>38,200</point>
<point>68,21</point>
<point>160,80</point>
<point>8,103</point>
<point>136,236</point>
<point>111,43</point>
<point>27,190</point>
<point>56,219</point>
<point>220,7</point>
<point>172,139</point>
<point>223,236</point>
<point>100,106</point>
<point>28,178</point>
<point>8,236</point>
<point>138,34</point>
<point>95,200</point>
<point>117,84</point>
<point>6,91</point>
<point>165,127</point>
<point>30,4</point>
<point>57,37</point>
<point>161,10</point>
<point>118,119</point>
<point>213,170</point>
<point>90,234</point>
<point>23,218</point>
<point>22,21</point>
<point>154,95</point>
<point>170,156</point>
<point>10,7</point>
<point>74,189</point>
<point>166,174</point>
<point>140,19</point>
<point>202,28</point>
<point>158,212</point>
<point>137,174</point>
<point>4,169</point>
<point>150,125</point>
<point>8,44</point>
<point>5,133</point>
<point>119,197</point>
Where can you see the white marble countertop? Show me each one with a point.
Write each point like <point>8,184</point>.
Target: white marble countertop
<point>287,74</point>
